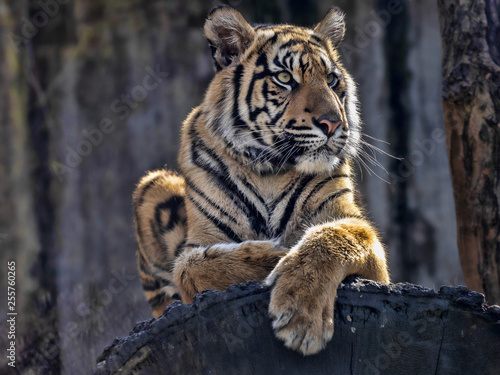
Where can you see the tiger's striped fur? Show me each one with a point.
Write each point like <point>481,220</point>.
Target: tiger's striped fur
<point>266,191</point>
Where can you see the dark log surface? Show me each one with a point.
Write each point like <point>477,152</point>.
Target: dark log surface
<point>379,329</point>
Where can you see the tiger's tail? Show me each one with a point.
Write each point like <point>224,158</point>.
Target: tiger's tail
<point>161,227</point>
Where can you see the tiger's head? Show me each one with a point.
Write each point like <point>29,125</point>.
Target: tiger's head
<point>281,99</point>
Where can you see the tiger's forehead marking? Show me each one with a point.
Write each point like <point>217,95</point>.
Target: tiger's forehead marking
<point>298,50</point>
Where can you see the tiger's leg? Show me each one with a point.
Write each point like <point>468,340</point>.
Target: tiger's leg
<point>305,281</point>
<point>218,266</point>
<point>160,223</point>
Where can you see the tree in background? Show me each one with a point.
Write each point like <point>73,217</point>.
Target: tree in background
<point>470,33</point>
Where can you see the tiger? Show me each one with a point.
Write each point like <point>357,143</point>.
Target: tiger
<point>266,189</point>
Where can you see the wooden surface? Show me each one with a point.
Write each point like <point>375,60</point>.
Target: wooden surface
<point>379,329</point>
<point>470,31</point>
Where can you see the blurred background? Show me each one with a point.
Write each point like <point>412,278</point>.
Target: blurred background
<point>93,93</point>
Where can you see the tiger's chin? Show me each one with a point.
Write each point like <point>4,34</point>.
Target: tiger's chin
<point>318,162</point>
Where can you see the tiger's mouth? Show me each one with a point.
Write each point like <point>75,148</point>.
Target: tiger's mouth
<point>323,147</point>
<point>322,156</point>
<point>327,152</point>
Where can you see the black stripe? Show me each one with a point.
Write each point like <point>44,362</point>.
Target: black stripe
<point>332,197</point>
<point>209,201</point>
<point>195,118</point>
<point>323,63</point>
<point>223,184</point>
<point>248,98</point>
<point>157,235</point>
<point>220,177</point>
<point>298,127</point>
<point>226,184</point>
<point>138,204</point>
<point>290,43</point>
<point>271,40</point>
<point>257,221</point>
<point>257,135</point>
<point>156,284</point>
<point>143,264</point>
<point>278,116</point>
<point>265,93</point>
<point>292,60</point>
<point>164,268</point>
<point>283,195</point>
<point>173,204</point>
<point>218,224</point>
<point>238,73</point>
<point>250,187</point>
<point>177,252</point>
<point>254,113</point>
<point>262,61</point>
<point>288,60</point>
<point>303,66</point>
<point>145,189</point>
<point>159,299</point>
<point>278,63</point>
<point>319,185</point>
<point>292,202</point>
<point>317,38</point>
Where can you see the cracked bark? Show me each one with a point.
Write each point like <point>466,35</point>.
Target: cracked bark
<point>470,33</point>
<point>440,348</point>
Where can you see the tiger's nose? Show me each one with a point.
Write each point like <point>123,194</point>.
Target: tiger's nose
<point>328,127</point>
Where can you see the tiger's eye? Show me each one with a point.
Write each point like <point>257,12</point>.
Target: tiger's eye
<point>284,77</point>
<point>332,79</point>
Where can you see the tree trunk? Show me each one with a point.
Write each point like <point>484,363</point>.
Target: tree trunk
<point>470,32</point>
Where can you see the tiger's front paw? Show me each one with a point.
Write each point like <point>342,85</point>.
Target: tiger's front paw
<point>301,308</point>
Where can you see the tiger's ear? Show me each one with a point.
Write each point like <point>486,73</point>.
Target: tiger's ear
<point>228,35</point>
<point>332,26</point>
